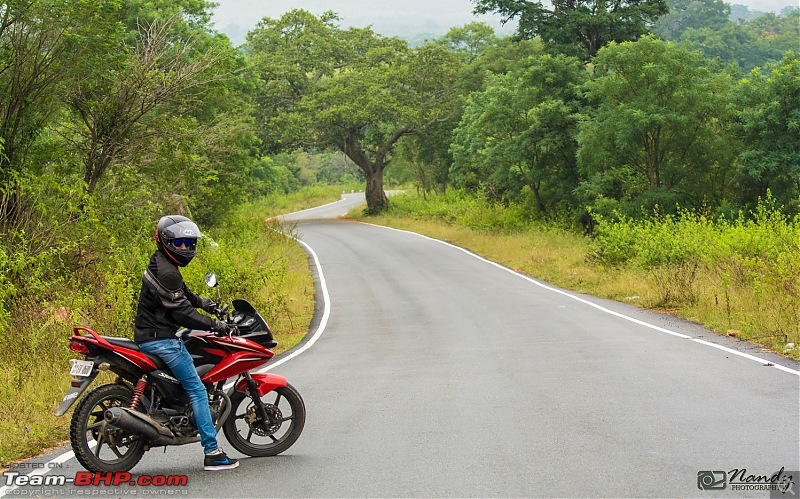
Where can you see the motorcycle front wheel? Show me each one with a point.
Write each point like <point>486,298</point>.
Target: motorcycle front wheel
<point>100,447</point>
<point>286,416</point>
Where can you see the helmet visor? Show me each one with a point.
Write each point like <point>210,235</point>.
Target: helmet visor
<point>190,243</point>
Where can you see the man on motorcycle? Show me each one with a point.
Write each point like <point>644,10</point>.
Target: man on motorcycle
<point>165,304</point>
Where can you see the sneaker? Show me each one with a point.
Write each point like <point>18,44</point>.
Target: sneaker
<point>217,460</point>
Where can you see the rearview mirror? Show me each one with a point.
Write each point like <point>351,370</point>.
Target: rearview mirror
<point>211,280</point>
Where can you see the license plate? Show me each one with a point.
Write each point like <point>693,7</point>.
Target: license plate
<point>81,367</point>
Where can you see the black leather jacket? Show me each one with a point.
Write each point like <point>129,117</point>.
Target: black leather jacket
<point>165,303</point>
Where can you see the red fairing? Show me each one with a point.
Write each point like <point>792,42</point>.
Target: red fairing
<point>266,383</point>
<point>233,365</point>
<point>139,359</point>
<point>241,355</point>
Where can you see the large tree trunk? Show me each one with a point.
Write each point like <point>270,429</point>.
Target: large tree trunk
<point>376,197</point>
<point>373,172</point>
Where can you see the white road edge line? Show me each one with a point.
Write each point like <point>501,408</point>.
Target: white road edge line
<point>320,329</point>
<point>281,217</point>
<point>322,323</point>
<point>599,307</point>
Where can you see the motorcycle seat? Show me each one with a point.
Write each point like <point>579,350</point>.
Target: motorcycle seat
<point>132,345</point>
<point>122,342</point>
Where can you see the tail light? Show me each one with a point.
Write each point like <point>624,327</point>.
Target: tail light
<point>78,347</point>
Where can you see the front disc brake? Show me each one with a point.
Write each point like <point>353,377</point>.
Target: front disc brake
<point>264,428</point>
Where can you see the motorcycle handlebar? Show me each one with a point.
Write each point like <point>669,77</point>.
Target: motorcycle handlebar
<point>221,312</point>
<point>233,331</point>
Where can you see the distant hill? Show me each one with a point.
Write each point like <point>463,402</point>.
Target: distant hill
<point>739,11</point>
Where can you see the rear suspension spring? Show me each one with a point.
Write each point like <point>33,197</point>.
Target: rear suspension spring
<point>137,393</point>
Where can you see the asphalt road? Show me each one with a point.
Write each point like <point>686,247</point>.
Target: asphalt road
<point>329,211</point>
<point>432,372</point>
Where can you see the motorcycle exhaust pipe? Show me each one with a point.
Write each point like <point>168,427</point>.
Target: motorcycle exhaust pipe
<point>142,425</point>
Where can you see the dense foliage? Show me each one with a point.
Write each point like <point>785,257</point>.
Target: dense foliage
<point>657,133</point>
<point>113,113</point>
<point>648,123</point>
<point>579,27</point>
<point>352,90</point>
<point>521,130</point>
<point>730,34</point>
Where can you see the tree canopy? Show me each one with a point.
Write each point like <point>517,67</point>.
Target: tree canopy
<point>351,89</point>
<point>520,131</point>
<point>578,27</point>
<point>768,120</point>
<point>656,134</point>
<point>134,100</point>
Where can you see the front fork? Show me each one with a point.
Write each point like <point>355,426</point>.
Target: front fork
<point>258,385</point>
<point>252,388</point>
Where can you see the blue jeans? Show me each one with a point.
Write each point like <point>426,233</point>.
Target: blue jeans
<point>174,354</point>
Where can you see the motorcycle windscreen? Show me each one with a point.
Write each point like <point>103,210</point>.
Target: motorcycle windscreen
<point>248,320</point>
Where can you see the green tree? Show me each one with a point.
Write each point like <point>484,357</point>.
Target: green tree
<point>732,43</point>
<point>578,27</point>
<point>99,60</point>
<point>776,34</point>
<point>659,133</point>
<point>353,90</point>
<point>499,57</point>
<point>748,44</point>
<point>40,42</point>
<point>429,156</point>
<point>691,14</point>
<point>468,41</point>
<point>118,107</point>
<point>338,169</point>
<point>520,132</point>
<point>768,122</point>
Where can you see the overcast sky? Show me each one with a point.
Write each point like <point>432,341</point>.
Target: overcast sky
<point>387,17</point>
<point>405,18</point>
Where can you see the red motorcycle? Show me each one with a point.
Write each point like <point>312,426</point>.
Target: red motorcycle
<point>114,424</point>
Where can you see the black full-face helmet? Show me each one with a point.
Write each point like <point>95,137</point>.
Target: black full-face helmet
<point>176,237</point>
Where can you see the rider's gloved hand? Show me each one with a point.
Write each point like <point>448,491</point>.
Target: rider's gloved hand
<point>221,328</point>
<point>208,305</point>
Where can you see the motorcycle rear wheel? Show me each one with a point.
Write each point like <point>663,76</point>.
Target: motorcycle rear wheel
<point>98,448</point>
<point>286,415</point>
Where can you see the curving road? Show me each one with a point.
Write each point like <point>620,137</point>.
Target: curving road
<point>433,372</point>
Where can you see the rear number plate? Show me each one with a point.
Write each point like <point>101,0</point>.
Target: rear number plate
<point>81,367</point>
